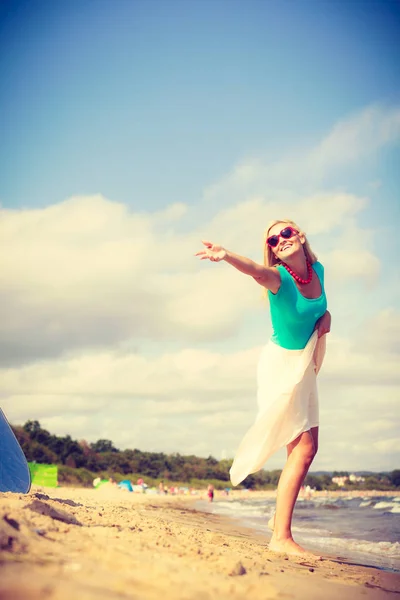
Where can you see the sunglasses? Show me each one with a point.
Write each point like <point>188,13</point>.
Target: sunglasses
<point>286,234</point>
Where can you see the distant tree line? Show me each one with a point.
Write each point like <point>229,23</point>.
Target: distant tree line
<point>103,457</point>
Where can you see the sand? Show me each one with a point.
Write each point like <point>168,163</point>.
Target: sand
<point>79,544</point>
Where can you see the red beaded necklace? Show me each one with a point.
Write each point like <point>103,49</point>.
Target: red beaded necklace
<point>296,277</point>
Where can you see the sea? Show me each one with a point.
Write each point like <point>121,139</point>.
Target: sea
<point>362,530</point>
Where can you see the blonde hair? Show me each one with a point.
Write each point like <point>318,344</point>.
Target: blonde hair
<point>270,260</point>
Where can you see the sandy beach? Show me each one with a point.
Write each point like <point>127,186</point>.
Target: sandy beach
<point>106,544</point>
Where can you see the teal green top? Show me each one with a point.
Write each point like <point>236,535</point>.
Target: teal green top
<point>293,316</point>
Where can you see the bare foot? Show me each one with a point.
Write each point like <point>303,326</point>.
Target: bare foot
<point>289,546</point>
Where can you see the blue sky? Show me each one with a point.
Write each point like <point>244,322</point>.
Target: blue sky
<point>100,96</point>
<point>130,130</point>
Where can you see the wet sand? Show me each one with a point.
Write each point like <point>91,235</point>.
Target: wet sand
<point>80,544</point>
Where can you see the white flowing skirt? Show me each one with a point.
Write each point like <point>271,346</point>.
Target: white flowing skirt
<point>287,403</point>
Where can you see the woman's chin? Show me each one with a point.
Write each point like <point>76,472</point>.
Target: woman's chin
<point>289,253</point>
<point>284,256</point>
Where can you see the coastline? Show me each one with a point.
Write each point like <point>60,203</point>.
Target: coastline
<point>316,494</point>
<point>86,543</point>
<point>360,528</point>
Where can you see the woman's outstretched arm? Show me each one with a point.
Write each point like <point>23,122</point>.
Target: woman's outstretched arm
<point>266,276</point>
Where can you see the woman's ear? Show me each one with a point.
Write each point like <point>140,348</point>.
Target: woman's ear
<point>302,237</point>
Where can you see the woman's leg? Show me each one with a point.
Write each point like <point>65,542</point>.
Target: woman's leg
<point>289,448</point>
<point>300,456</point>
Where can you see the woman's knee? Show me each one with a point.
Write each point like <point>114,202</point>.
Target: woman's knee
<point>304,448</point>
<point>308,456</point>
<point>307,449</point>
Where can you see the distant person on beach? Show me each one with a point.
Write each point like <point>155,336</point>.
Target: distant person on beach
<point>210,493</point>
<point>287,390</point>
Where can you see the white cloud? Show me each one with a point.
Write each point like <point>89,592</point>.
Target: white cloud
<point>378,425</point>
<point>387,445</point>
<point>356,137</point>
<point>198,373</point>
<point>242,224</point>
<point>383,332</point>
<point>350,141</point>
<point>348,364</point>
<point>87,273</point>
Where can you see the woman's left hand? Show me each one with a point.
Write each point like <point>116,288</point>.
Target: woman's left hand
<point>323,325</point>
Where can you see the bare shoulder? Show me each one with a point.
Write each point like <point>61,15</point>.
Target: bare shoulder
<point>269,278</point>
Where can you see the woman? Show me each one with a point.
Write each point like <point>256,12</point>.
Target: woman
<point>287,393</point>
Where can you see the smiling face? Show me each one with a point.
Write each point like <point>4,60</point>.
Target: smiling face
<point>286,248</point>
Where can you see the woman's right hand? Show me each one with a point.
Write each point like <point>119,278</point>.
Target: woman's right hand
<point>211,252</point>
<point>323,325</point>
